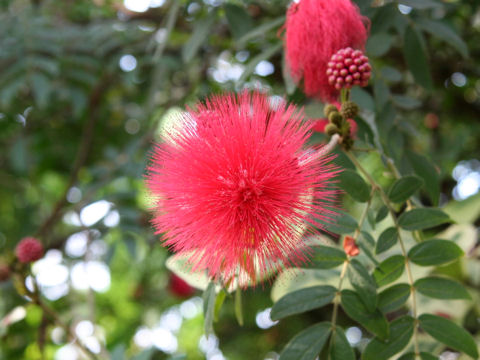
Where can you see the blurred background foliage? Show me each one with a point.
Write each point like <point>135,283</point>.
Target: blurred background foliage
<point>87,85</point>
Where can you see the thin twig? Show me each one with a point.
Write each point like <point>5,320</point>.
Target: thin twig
<point>80,159</point>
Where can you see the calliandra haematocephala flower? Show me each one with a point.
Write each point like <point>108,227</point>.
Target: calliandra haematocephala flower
<point>314,31</point>
<point>236,188</point>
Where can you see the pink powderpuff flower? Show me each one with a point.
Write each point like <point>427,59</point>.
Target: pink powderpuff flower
<point>314,31</point>
<point>29,249</point>
<point>235,189</point>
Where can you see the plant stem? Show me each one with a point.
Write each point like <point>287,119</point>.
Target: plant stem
<point>388,203</point>
<point>336,301</point>
<point>346,262</point>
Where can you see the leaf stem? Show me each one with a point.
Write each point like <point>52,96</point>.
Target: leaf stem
<point>389,205</point>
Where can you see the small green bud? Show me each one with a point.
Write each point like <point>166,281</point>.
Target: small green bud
<point>335,118</point>
<point>349,109</point>
<point>331,129</point>
<point>328,109</point>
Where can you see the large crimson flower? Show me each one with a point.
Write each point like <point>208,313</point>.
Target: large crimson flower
<point>315,30</point>
<point>235,189</point>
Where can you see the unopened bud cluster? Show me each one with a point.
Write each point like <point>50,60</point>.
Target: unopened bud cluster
<point>348,67</point>
<point>341,122</point>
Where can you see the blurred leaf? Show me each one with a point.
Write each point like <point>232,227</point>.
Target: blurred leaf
<point>404,187</point>
<point>307,344</point>
<point>342,223</point>
<point>41,89</point>
<point>354,185</point>
<point>389,270</point>
<point>434,252</point>
<point>387,239</point>
<point>239,306</point>
<point>422,218</point>
<point>260,30</point>
<point>327,257</point>
<point>302,301</point>
<point>441,288</point>
<point>220,298</point>
<point>444,32</point>
<point>393,297</point>
<point>180,265</point>
<point>449,333</point>
<point>391,74</point>
<point>464,211</point>
<point>362,98</point>
<point>401,331</point>
<point>200,32</point>
<point>300,278</point>
<point>265,55</point>
<point>340,348</point>
<point>424,168</point>
<point>406,102</point>
<point>416,57</point>
<point>239,20</point>
<point>374,321</point>
<point>379,44</point>
<point>363,283</point>
<point>209,300</point>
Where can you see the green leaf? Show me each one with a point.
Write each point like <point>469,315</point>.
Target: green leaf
<point>444,32</point>
<point>393,297</point>
<point>374,322</point>
<point>391,74</point>
<point>363,283</point>
<point>201,30</point>
<point>341,223</point>
<point>239,306</point>
<point>340,348</point>
<point>252,64</point>
<point>382,213</point>
<point>416,57</point>
<point>387,239</point>
<point>389,270</point>
<point>422,218</point>
<point>261,30</point>
<point>449,333</point>
<point>379,44</point>
<point>423,356</point>
<point>41,86</point>
<point>434,252</point>
<point>354,185</point>
<point>401,331</point>
<point>441,288</point>
<point>209,297</point>
<point>218,303</point>
<point>424,168</point>
<point>327,257</point>
<point>403,188</point>
<point>239,20</point>
<point>303,300</point>
<point>307,344</point>
<point>406,102</point>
